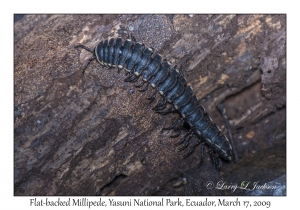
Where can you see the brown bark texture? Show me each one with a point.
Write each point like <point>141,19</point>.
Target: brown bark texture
<point>91,133</point>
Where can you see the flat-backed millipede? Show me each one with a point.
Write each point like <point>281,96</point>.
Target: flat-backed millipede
<point>141,61</point>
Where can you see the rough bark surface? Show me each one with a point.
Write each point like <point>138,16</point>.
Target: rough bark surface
<point>94,134</point>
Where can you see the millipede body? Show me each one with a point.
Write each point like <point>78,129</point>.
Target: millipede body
<point>169,82</point>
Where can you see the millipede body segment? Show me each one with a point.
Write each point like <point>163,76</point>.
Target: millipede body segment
<point>141,61</point>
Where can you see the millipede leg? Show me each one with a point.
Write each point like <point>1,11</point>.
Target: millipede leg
<point>89,61</point>
<point>215,160</point>
<point>182,140</point>
<point>174,124</point>
<point>180,130</point>
<point>84,47</point>
<point>152,98</point>
<point>146,88</point>
<point>159,103</point>
<point>162,103</point>
<point>185,145</point>
<point>127,79</point>
<point>140,85</point>
<point>191,150</point>
<point>187,136</point>
<point>165,112</point>
<point>202,154</point>
<point>133,79</point>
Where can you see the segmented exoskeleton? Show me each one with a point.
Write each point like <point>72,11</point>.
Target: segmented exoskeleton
<point>140,61</point>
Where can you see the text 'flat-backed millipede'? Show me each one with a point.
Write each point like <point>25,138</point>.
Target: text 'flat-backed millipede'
<point>140,61</point>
